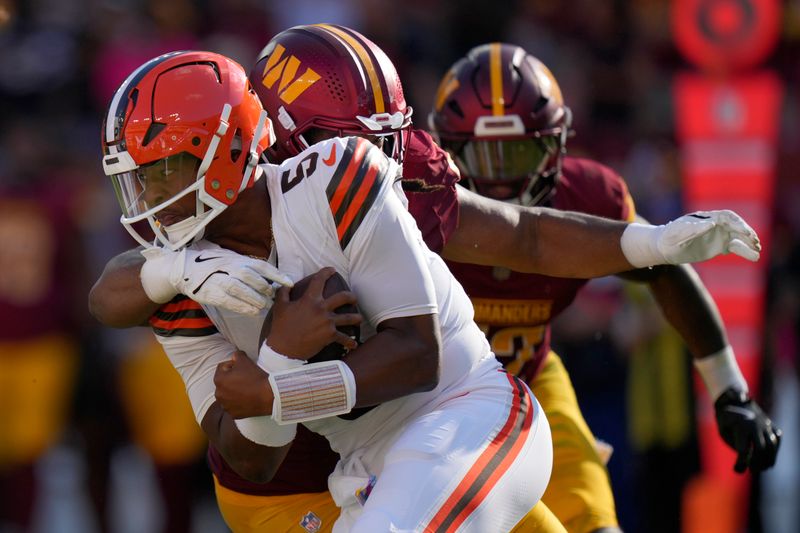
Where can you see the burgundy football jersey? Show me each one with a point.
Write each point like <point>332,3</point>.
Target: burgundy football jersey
<point>429,181</point>
<point>515,309</point>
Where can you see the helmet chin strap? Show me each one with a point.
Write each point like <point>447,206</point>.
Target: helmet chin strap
<point>186,228</point>
<point>182,233</point>
<point>222,129</point>
<point>192,228</point>
<point>527,199</point>
<point>252,155</point>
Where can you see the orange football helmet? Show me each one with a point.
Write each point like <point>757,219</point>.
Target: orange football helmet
<point>182,123</point>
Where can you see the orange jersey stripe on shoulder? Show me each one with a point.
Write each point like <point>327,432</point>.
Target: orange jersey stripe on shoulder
<point>354,186</point>
<point>357,203</point>
<point>349,174</point>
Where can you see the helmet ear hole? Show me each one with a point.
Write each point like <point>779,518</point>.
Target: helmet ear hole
<point>540,104</point>
<point>236,146</point>
<point>152,132</point>
<point>456,108</point>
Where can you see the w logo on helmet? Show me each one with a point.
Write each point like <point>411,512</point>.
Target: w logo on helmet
<point>285,68</point>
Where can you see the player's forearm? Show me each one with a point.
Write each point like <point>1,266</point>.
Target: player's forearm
<point>252,461</point>
<point>536,240</point>
<point>117,299</point>
<point>571,245</point>
<point>688,307</point>
<point>402,359</point>
<point>568,244</point>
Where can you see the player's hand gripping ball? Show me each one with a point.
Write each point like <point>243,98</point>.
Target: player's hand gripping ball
<point>319,310</point>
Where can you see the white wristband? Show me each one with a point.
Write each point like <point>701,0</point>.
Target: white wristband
<point>271,361</point>
<point>312,391</point>
<point>639,243</point>
<point>264,430</point>
<point>720,371</point>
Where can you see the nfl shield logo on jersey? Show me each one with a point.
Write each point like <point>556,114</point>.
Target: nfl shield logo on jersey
<point>311,522</point>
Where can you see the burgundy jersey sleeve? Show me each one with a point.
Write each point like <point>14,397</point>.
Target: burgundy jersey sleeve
<point>591,187</point>
<point>305,469</point>
<point>429,180</point>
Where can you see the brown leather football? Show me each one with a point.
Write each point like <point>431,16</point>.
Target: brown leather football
<point>336,283</point>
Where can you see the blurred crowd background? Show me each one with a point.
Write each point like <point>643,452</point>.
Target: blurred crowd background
<point>95,434</point>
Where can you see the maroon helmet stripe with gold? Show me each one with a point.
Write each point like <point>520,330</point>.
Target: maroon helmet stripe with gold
<point>367,61</point>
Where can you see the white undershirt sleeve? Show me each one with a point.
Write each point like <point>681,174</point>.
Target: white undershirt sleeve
<point>196,360</point>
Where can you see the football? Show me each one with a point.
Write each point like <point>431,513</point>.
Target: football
<point>336,283</point>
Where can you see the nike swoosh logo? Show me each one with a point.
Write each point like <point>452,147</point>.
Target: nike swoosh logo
<point>331,159</point>
<point>197,289</point>
<point>199,259</point>
<point>748,414</point>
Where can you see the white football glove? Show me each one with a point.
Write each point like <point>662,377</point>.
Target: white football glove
<point>698,236</point>
<point>211,276</point>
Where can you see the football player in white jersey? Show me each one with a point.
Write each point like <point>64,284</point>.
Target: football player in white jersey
<point>453,442</point>
<point>182,138</point>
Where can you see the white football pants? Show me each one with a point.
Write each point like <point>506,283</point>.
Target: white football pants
<point>478,461</point>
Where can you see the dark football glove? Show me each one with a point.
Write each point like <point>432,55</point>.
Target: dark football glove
<point>748,430</point>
